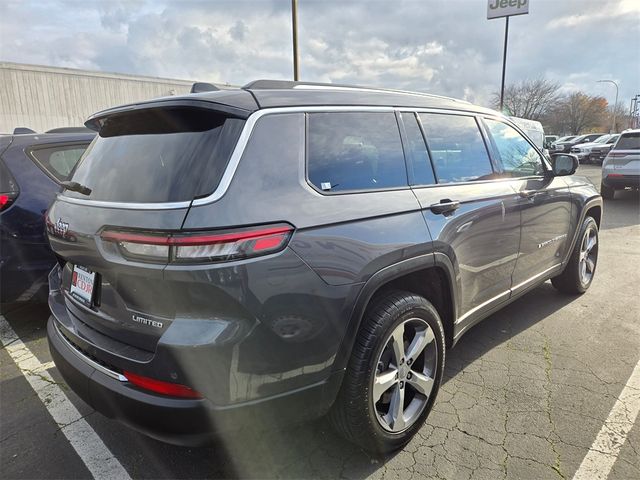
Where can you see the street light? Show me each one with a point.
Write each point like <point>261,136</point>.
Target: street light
<point>613,126</point>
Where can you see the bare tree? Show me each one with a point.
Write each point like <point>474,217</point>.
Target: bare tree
<point>622,118</point>
<point>531,99</point>
<point>577,113</point>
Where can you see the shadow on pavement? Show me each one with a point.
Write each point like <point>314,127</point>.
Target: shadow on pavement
<point>313,450</point>
<point>303,451</point>
<point>622,211</point>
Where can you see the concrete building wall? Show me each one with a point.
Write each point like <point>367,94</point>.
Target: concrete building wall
<point>42,98</point>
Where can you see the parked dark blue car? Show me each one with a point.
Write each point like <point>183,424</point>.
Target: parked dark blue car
<point>31,169</point>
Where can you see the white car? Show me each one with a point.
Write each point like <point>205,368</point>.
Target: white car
<point>621,167</point>
<point>583,150</point>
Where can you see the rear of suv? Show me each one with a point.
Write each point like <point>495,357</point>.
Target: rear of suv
<point>621,166</point>
<point>282,251</point>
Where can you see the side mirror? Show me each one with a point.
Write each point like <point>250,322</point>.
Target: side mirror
<point>564,164</point>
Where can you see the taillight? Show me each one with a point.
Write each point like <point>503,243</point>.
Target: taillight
<point>613,154</point>
<point>6,199</point>
<point>163,388</point>
<point>199,246</point>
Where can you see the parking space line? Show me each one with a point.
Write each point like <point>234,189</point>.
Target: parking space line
<point>605,449</point>
<point>85,441</point>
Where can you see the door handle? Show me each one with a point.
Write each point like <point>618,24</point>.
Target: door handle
<point>529,193</point>
<point>445,206</point>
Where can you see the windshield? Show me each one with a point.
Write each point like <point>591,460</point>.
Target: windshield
<point>602,139</point>
<point>155,155</point>
<point>565,139</point>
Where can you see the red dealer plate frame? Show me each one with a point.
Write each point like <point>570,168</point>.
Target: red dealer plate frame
<point>82,284</point>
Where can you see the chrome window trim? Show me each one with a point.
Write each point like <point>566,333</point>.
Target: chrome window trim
<point>239,149</point>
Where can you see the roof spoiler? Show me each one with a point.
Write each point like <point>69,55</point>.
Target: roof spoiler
<point>200,87</point>
<point>70,130</point>
<point>22,131</point>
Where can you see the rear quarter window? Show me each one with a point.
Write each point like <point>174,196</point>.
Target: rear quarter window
<point>355,151</point>
<point>58,160</point>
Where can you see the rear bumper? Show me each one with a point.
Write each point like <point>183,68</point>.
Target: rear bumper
<point>621,181</point>
<point>171,420</point>
<point>185,422</point>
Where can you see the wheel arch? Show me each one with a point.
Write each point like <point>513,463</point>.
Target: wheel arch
<point>431,275</point>
<point>592,207</point>
<point>594,211</point>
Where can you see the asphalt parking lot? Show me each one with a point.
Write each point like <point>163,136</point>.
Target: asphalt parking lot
<point>528,393</point>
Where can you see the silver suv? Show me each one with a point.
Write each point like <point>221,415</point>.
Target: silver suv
<point>621,167</point>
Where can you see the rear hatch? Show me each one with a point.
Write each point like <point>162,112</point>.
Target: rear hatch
<point>143,169</point>
<point>625,155</point>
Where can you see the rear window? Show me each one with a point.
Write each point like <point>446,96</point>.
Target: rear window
<point>157,155</point>
<point>355,151</point>
<point>628,141</point>
<point>59,160</point>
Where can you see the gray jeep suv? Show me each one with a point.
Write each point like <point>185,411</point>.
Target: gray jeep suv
<point>284,250</point>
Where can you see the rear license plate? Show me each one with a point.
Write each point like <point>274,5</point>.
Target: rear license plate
<point>82,283</point>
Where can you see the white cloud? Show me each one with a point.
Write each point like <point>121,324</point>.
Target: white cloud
<point>446,48</point>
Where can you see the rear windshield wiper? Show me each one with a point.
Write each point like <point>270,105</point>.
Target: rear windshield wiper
<point>76,187</point>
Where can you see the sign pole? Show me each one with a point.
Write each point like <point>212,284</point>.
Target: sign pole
<point>294,25</point>
<point>505,8</point>
<point>504,60</point>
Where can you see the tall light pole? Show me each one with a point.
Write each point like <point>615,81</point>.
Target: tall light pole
<point>615,105</point>
<point>294,25</point>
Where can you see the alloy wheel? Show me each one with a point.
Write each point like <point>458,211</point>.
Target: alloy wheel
<point>588,255</point>
<point>405,375</point>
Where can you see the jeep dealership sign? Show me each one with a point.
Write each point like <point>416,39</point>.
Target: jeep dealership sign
<point>506,8</point>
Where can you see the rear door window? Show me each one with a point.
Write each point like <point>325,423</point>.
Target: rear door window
<point>355,151</point>
<point>58,160</point>
<point>516,156</point>
<point>155,155</point>
<point>628,141</point>
<point>457,148</point>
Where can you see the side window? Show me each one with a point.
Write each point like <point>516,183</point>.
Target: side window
<point>417,154</point>
<point>457,148</point>
<point>58,161</point>
<point>355,151</point>
<point>516,156</point>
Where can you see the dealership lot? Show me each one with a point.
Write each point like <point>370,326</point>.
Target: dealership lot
<point>526,395</point>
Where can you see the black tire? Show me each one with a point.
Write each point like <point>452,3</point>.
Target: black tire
<point>607,193</point>
<point>353,414</point>
<point>570,280</point>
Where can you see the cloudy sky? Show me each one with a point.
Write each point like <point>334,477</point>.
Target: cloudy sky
<point>443,47</point>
